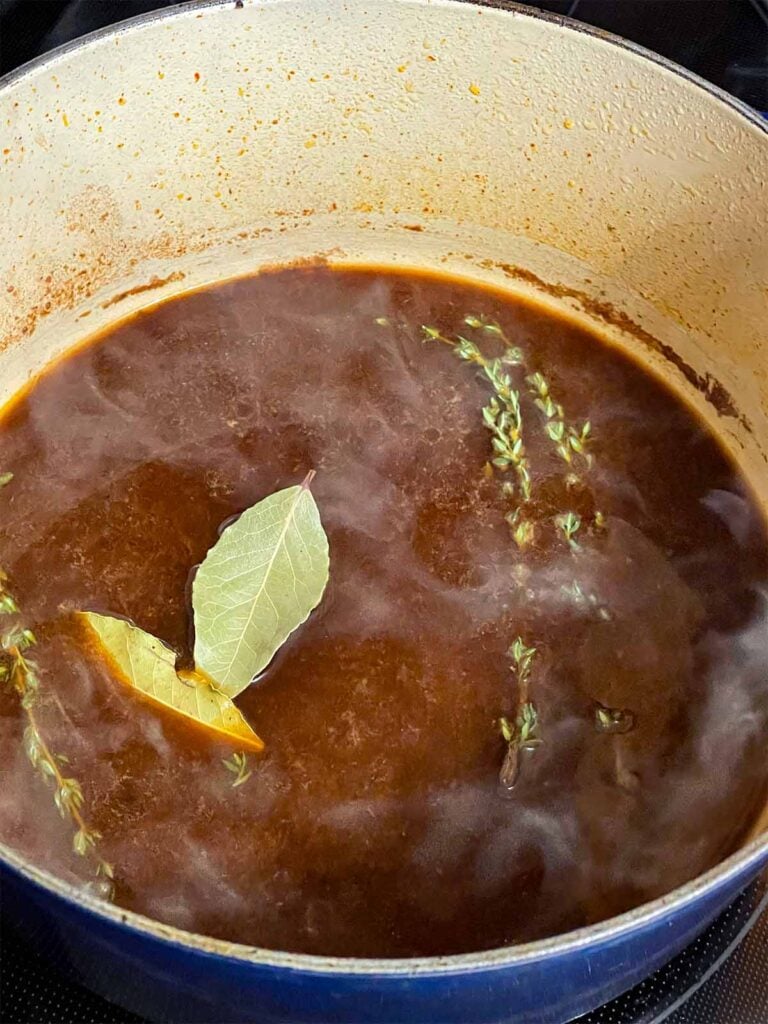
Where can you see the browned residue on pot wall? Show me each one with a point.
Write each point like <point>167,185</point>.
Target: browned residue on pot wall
<point>713,391</point>
<point>154,282</point>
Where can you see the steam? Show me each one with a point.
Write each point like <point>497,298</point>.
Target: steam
<point>734,511</point>
<point>374,824</point>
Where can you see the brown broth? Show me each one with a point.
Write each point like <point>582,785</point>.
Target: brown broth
<point>374,823</point>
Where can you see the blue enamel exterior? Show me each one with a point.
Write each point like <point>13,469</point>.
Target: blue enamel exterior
<point>168,980</point>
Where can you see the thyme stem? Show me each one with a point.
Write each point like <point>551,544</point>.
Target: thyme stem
<point>22,676</point>
<point>524,733</point>
<point>34,736</point>
<point>502,416</point>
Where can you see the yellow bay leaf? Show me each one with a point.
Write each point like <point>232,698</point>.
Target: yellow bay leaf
<point>145,663</point>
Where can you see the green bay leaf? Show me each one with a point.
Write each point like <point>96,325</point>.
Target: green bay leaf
<point>146,664</point>
<point>258,583</point>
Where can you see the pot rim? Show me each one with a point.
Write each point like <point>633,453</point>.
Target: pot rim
<point>748,859</point>
<point>512,7</point>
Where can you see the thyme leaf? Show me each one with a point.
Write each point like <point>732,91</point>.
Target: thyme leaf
<point>238,765</point>
<point>615,721</point>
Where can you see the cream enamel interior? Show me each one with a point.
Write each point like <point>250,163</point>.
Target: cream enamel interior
<point>216,140</point>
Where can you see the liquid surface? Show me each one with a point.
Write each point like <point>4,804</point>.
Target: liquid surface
<point>375,825</point>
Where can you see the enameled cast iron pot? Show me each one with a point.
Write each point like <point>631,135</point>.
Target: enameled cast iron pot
<point>493,142</point>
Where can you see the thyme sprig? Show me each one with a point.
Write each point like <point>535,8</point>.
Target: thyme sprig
<point>569,524</point>
<point>21,673</point>
<point>523,658</point>
<point>523,734</point>
<point>568,439</point>
<point>506,427</point>
<point>238,765</point>
<point>502,416</point>
<point>8,604</point>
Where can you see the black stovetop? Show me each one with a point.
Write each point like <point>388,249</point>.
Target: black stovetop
<point>722,978</point>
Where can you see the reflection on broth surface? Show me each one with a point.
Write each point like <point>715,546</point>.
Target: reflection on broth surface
<point>391,813</point>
